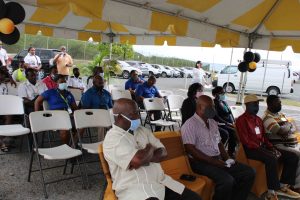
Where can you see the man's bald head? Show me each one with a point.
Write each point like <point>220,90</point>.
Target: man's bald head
<point>204,103</point>
<point>124,106</point>
<point>125,110</point>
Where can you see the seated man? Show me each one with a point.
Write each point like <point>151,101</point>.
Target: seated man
<point>58,99</point>
<point>148,90</point>
<point>133,82</point>
<point>30,90</point>
<point>133,155</point>
<point>19,74</point>
<point>50,79</point>
<point>208,157</point>
<point>76,81</point>
<point>257,147</point>
<point>281,132</point>
<point>97,98</point>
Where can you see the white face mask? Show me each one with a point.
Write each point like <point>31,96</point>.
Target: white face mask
<point>198,94</point>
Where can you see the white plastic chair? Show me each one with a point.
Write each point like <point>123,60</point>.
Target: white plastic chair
<point>119,93</point>
<point>92,118</point>
<point>46,121</point>
<point>12,90</point>
<point>156,104</point>
<point>12,105</point>
<point>237,111</point>
<point>165,93</point>
<point>77,93</point>
<point>174,103</point>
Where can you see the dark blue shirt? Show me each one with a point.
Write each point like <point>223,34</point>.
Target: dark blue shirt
<point>132,84</point>
<point>55,100</point>
<point>146,91</point>
<point>93,99</point>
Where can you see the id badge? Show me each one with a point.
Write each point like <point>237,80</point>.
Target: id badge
<point>70,111</point>
<point>283,119</point>
<point>257,130</point>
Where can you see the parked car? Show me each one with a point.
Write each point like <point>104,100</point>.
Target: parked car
<point>174,73</point>
<point>188,72</point>
<point>179,72</point>
<point>278,79</point>
<point>296,76</point>
<point>46,56</point>
<point>146,68</point>
<point>125,69</point>
<point>165,72</point>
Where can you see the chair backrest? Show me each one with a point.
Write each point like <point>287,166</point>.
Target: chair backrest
<point>237,111</point>
<point>109,193</point>
<point>12,90</point>
<point>49,120</point>
<point>91,118</point>
<point>46,105</point>
<point>11,105</point>
<point>176,162</point>
<point>119,93</point>
<point>154,104</point>
<point>114,87</point>
<point>175,101</point>
<point>165,93</point>
<point>77,93</point>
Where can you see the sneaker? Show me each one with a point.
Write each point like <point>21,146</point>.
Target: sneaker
<point>271,197</point>
<point>287,192</point>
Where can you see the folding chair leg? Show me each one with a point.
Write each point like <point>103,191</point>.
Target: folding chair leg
<point>72,168</point>
<point>65,167</point>
<point>21,143</point>
<point>30,165</point>
<point>42,176</point>
<point>82,178</point>
<point>43,136</point>
<point>49,138</point>
<point>89,135</point>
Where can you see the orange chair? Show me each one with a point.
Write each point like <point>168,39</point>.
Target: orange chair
<point>177,164</point>
<point>109,193</point>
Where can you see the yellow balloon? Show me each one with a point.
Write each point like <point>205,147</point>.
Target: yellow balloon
<point>6,26</point>
<point>252,65</point>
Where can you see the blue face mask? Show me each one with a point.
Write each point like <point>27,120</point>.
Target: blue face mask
<point>62,86</point>
<point>222,97</point>
<point>134,124</point>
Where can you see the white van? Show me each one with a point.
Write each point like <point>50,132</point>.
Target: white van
<point>278,78</point>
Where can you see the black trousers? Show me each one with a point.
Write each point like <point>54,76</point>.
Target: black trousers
<point>288,159</point>
<point>186,195</point>
<point>232,183</point>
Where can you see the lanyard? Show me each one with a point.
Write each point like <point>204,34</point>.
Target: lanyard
<point>65,100</point>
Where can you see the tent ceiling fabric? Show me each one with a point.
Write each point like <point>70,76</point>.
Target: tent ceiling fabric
<point>271,24</point>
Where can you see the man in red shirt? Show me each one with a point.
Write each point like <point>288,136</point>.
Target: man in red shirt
<point>49,80</point>
<point>257,147</point>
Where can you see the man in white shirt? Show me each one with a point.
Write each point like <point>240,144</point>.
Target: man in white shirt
<point>76,81</point>
<point>32,60</point>
<point>30,90</point>
<point>133,155</point>
<point>3,56</point>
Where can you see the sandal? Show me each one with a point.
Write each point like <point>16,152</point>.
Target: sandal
<point>4,149</point>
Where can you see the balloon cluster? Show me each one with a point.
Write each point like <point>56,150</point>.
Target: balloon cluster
<point>11,14</point>
<point>249,63</point>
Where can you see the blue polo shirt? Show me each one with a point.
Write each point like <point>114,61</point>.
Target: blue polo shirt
<point>146,91</point>
<point>92,99</point>
<point>132,84</point>
<point>56,102</point>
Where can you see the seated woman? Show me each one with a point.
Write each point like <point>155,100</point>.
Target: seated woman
<point>188,107</point>
<point>225,117</point>
<point>58,99</point>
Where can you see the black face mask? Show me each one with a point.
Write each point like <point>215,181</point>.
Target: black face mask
<point>253,109</point>
<point>276,109</point>
<point>209,112</point>
<point>76,75</point>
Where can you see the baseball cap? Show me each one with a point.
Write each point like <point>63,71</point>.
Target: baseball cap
<point>251,98</point>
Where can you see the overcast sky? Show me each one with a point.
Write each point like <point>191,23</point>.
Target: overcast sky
<point>214,55</point>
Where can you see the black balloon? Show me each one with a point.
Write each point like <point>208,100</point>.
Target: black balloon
<point>243,66</point>
<point>248,56</point>
<point>15,12</point>
<point>2,9</point>
<point>256,57</point>
<point>10,38</point>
